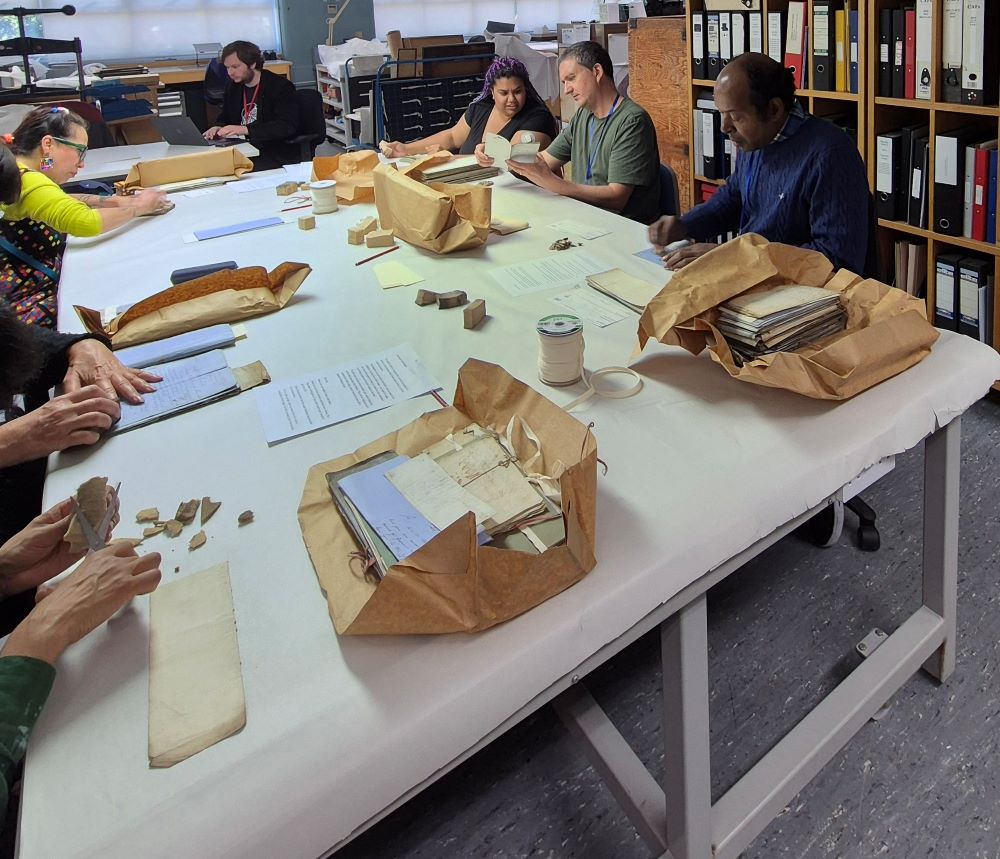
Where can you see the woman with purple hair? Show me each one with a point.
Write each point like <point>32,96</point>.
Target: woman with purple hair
<point>508,106</point>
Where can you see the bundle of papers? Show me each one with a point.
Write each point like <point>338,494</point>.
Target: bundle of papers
<point>461,169</point>
<point>394,504</point>
<point>622,287</point>
<point>780,320</point>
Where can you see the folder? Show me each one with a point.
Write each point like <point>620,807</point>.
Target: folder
<point>795,40</point>
<point>946,291</point>
<point>775,36</point>
<point>698,45</point>
<point>738,31</point>
<point>840,38</point>
<point>970,172</point>
<point>755,27</point>
<point>898,53</point>
<point>949,181</point>
<point>725,38</point>
<point>822,52</point>
<point>974,274</point>
<point>852,24</point>
<point>885,53</point>
<point>986,312</point>
<point>917,210</point>
<point>888,161</point>
<point>991,199</point>
<point>712,45</point>
<point>727,161</point>
<point>910,54</point>
<point>980,191</point>
<point>951,51</point>
<point>980,38</point>
<point>924,46</point>
<point>712,155</point>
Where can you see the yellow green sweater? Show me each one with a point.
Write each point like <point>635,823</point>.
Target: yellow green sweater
<point>43,200</point>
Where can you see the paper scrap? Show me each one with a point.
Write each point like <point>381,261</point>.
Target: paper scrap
<point>578,229</point>
<point>649,255</point>
<point>200,192</point>
<point>592,306</point>
<point>262,183</point>
<point>561,269</point>
<point>300,405</point>
<point>233,229</point>
<point>432,491</point>
<point>393,274</point>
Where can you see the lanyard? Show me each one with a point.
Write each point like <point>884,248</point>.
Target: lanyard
<point>247,108</point>
<point>747,185</point>
<point>591,126</point>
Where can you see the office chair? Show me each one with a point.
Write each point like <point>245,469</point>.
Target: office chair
<point>312,124</point>
<point>670,203</point>
<point>825,527</point>
<point>213,90</point>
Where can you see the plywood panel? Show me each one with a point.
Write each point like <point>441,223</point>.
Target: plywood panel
<point>660,81</point>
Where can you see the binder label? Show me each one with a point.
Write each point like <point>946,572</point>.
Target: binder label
<point>883,166</point>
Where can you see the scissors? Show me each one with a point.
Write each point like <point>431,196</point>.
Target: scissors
<point>95,537</point>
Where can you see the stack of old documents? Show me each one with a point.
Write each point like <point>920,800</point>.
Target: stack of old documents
<point>464,168</point>
<point>779,320</point>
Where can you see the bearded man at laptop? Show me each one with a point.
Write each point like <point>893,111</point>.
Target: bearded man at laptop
<point>258,105</point>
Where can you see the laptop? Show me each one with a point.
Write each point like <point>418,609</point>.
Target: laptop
<point>181,131</point>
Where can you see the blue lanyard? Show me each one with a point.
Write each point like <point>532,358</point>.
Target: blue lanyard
<point>747,185</point>
<point>591,128</point>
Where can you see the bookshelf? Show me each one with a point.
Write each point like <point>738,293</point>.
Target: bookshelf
<point>850,106</point>
<point>885,114</point>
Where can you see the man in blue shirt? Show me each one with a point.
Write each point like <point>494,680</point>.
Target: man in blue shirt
<point>798,179</point>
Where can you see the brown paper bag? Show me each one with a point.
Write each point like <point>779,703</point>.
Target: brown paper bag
<point>452,584</point>
<point>222,162</point>
<point>352,172</point>
<point>225,296</point>
<point>439,217</point>
<point>887,329</point>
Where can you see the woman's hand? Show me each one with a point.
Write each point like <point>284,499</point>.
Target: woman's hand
<point>482,159</point>
<point>150,202</point>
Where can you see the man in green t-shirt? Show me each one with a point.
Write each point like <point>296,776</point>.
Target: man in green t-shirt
<point>610,140</point>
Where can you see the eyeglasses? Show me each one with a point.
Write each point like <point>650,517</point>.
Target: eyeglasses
<point>81,148</point>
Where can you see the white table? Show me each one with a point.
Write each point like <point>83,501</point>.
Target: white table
<point>702,471</point>
<point>118,160</point>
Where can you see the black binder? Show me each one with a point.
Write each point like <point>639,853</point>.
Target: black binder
<point>698,45</point>
<point>946,291</point>
<point>973,275</point>
<point>712,154</point>
<point>898,53</point>
<point>824,46</point>
<point>712,45</point>
<point>885,53</point>
<point>890,184</point>
<point>949,180</point>
<point>917,211</point>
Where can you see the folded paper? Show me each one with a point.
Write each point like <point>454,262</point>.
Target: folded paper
<point>352,172</point>
<point>222,163</point>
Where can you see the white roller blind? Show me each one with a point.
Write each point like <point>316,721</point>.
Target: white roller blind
<point>469,17</point>
<point>131,29</point>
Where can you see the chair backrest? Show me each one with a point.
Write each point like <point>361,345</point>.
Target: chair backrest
<point>216,78</point>
<point>670,203</point>
<point>312,121</point>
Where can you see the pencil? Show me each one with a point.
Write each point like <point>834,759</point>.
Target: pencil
<point>376,256</point>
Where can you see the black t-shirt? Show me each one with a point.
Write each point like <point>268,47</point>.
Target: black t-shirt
<point>533,117</point>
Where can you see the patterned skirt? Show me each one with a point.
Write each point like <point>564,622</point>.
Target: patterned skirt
<point>29,291</point>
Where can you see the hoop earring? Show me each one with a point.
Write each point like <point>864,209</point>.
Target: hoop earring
<point>46,164</point>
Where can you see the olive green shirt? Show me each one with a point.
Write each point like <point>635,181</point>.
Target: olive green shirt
<point>25,683</point>
<point>621,148</point>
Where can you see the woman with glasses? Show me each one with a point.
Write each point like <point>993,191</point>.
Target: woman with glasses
<point>50,145</point>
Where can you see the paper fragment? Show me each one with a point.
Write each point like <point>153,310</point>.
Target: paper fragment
<point>149,514</point>
<point>208,508</point>
<point>197,541</point>
<point>186,510</point>
<point>245,518</point>
<point>173,527</point>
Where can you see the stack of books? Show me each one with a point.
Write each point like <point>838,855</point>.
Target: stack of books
<point>464,168</point>
<point>779,320</point>
<point>394,504</point>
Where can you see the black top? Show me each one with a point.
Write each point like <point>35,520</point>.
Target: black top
<point>533,117</point>
<point>275,121</point>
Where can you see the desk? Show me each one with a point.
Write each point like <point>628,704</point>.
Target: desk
<point>173,74</point>
<point>340,730</point>
<point>118,160</point>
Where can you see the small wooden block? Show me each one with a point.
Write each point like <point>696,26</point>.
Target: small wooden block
<point>286,188</point>
<point>455,298</point>
<point>380,239</point>
<point>307,222</point>
<point>356,234</point>
<point>475,313</point>
<point>425,297</point>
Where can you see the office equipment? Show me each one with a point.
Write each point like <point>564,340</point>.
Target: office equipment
<point>181,131</point>
<point>889,178</point>
<point>949,181</point>
<point>980,57</point>
<point>980,189</point>
<point>910,53</point>
<point>853,36</point>
<point>841,39</point>
<point>823,77</point>
<point>885,53</point>
<point>975,281</point>
<point>951,51</point>
<point>698,65</point>
<point>946,291</point>
<point>991,199</point>
<point>898,53</point>
<point>923,47</point>
<point>775,36</point>
<point>713,45</point>
<point>725,39</point>
<point>795,41</point>
<point>738,33</point>
<point>917,209</point>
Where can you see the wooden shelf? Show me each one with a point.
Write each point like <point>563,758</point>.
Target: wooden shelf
<point>830,94</point>
<point>941,238</point>
<point>913,103</point>
<point>697,82</point>
<point>708,181</point>
<point>951,107</point>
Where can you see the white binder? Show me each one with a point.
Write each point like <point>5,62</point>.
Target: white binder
<point>973,39</point>
<point>925,37</point>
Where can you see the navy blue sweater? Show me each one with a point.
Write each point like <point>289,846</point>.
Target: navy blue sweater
<point>808,189</point>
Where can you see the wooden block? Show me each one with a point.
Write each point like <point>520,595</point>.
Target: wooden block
<point>380,239</point>
<point>356,234</point>
<point>307,222</point>
<point>425,297</point>
<point>286,188</point>
<point>475,313</point>
<point>455,298</point>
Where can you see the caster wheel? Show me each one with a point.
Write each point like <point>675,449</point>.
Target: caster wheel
<point>868,538</point>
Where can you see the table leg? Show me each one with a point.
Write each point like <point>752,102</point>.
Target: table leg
<point>687,773</point>
<point>942,461</point>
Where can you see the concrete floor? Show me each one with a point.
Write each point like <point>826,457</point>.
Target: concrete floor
<point>921,781</point>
